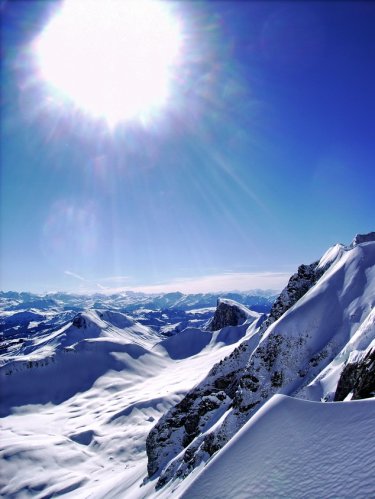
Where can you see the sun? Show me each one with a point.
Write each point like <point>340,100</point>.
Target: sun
<point>113,59</point>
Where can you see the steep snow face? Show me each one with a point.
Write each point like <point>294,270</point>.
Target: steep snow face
<point>324,386</point>
<point>322,308</point>
<point>311,334</point>
<point>293,448</point>
<point>298,285</point>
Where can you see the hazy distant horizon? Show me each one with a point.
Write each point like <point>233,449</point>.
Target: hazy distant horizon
<point>225,283</point>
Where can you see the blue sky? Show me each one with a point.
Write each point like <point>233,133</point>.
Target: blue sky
<point>263,157</point>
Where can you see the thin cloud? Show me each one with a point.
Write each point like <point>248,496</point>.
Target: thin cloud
<point>73,274</point>
<point>87,285</point>
<point>228,281</point>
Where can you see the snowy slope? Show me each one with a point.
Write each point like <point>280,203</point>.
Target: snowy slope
<point>326,310</point>
<point>293,448</point>
<point>77,424</point>
<point>53,366</point>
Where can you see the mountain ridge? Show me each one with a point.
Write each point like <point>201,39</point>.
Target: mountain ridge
<point>322,307</point>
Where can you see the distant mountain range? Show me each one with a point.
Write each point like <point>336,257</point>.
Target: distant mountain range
<point>259,300</point>
<point>27,313</point>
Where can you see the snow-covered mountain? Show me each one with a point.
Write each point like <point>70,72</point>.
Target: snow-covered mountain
<point>104,401</point>
<point>323,315</point>
<point>79,398</point>
<point>26,313</point>
<point>128,301</point>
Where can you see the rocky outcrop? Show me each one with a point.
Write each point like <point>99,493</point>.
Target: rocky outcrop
<point>298,285</point>
<point>358,376</point>
<point>363,238</point>
<point>197,412</point>
<point>228,313</point>
<point>181,425</point>
<point>80,321</point>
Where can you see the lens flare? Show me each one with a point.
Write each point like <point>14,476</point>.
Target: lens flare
<point>114,59</point>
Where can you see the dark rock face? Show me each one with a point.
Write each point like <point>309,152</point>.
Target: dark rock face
<point>80,321</point>
<point>179,428</point>
<point>363,238</point>
<point>358,377</point>
<point>227,313</point>
<point>298,285</point>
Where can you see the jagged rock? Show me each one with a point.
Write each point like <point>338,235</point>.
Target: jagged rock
<point>234,377</point>
<point>363,238</point>
<point>80,321</point>
<point>298,285</point>
<point>178,428</point>
<point>228,313</point>
<point>358,376</point>
<point>169,437</point>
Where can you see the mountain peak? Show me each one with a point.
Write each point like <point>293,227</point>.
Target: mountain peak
<point>363,238</point>
<point>229,313</point>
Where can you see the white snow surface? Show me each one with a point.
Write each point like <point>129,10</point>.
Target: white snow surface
<point>333,318</point>
<point>295,449</point>
<point>89,407</point>
<point>341,306</point>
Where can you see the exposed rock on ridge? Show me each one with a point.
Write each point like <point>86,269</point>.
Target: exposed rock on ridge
<point>358,376</point>
<point>363,238</point>
<point>298,285</point>
<point>180,425</point>
<point>228,313</point>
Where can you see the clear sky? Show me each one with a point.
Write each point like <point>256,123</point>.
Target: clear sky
<point>261,157</point>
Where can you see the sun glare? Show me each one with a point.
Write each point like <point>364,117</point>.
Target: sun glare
<point>114,59</point>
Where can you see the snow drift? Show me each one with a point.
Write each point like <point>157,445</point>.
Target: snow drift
<point>293,448</point>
